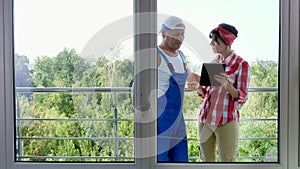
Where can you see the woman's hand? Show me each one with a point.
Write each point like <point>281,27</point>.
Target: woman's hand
<point>222,78</point>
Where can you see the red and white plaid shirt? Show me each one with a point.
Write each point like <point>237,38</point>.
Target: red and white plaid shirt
<point>218,106</point>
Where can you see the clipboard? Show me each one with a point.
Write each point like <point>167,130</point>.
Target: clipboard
<point>208,71</point>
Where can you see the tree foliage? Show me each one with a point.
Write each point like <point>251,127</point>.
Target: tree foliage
<point>75,135</point>
<point>262,105</point>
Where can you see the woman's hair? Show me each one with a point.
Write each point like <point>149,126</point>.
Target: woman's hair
<point>216,35</point>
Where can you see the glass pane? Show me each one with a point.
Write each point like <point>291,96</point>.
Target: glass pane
<point>73,76</point>
<point>257,23</point>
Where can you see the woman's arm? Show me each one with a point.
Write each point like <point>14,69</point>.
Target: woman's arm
<point>240,93</point>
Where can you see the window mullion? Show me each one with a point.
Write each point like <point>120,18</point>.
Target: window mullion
<point>145,81</point>
<point>293,86</point>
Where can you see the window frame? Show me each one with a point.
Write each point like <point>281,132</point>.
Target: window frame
<point>2,90</point>
<point>288,91</point>
<point>293,85</point>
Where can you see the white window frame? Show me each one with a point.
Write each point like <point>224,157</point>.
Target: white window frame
<point>288,90</point>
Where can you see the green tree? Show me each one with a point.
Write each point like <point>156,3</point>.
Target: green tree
<point>43,71</point>
<point>261,105</point>
<point>69,68</point>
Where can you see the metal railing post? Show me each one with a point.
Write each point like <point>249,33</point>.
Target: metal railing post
<point>116,127</point>
<point>19,128</point>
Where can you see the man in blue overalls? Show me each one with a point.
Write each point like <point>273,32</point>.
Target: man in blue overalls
<point>172,75</point>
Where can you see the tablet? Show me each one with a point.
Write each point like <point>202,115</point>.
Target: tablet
<point>208,71</point>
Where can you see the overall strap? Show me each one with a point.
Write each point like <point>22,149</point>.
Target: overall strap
<point>170,66</point>
<point>183,60</point>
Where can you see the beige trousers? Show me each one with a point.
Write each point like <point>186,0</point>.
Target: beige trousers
<point>224,137</point>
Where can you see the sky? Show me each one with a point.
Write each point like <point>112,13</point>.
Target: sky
<point>257,22</point>
<point>46,27</point>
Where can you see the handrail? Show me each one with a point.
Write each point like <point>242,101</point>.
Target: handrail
<point>125,119</point>
<point>73,90</point>
<point>109,89</point>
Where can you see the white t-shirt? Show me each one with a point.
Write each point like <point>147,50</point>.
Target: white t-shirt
<point>164,72</point>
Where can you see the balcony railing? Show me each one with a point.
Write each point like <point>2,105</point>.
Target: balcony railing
<point>114,91</point>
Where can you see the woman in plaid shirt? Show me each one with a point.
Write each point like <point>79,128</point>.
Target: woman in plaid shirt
<point>219,115</point>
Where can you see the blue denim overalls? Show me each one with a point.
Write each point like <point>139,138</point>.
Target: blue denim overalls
<point>171,141</point>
